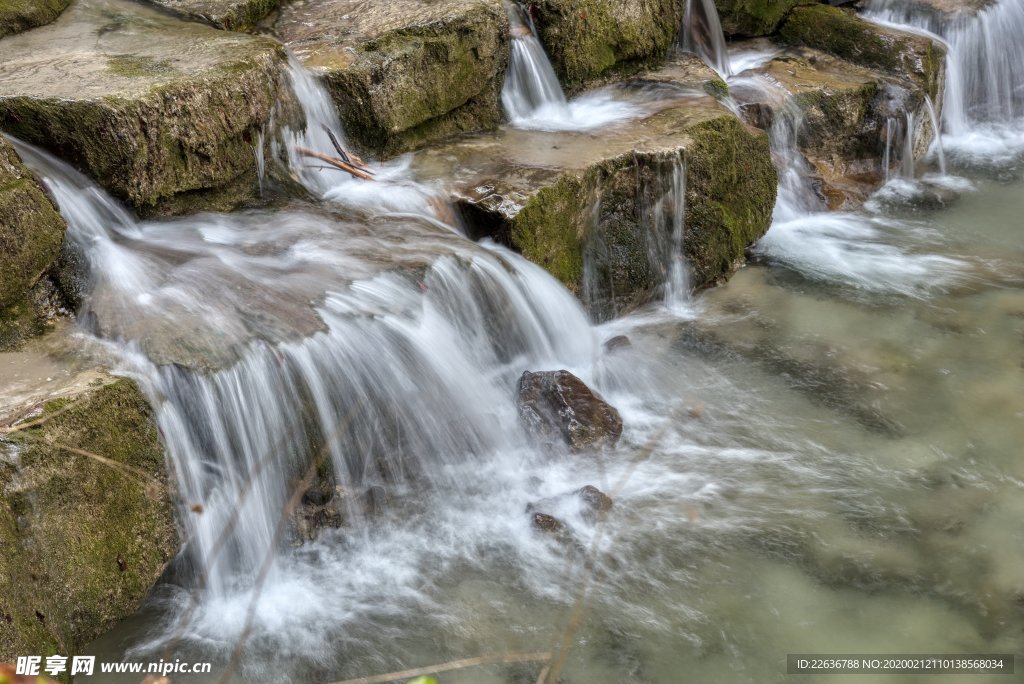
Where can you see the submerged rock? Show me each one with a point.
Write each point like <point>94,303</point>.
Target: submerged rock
<point>165,114</point>
<point>83,540</point>
<point>580,204</point>
<point>31,233</point>
<point>588,39</point>
<point>405,73</point>
<point>21,15</point>
<point>556,406</point>
<point>235,15</point>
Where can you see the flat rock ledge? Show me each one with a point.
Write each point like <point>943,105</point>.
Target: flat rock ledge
<point>232,15</point>
<point>165,114</point>
<point>21,15</point>
<point>404,73</point>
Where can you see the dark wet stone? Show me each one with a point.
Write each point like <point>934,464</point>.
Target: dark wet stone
<point>556,406</point>
<point>618,342</point>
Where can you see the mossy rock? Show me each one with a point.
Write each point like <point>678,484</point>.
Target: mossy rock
<point>82,541</point>
<point>165,114</point>
<point>31,234</point>
<point>590,39</point>
<point>751,18</point>
<point>232,15</point>
<point>404,74</point>
<point>842,33</point>
<point>21,15</point>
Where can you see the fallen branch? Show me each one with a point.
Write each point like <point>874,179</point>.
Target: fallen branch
<point>337,163</point>
<point>345,155</point>
<point>496,659</point>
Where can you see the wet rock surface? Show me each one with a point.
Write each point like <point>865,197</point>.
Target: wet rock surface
<point>31,233</point>
<point>406,73</point>
<point>166,114</point>
<point>86,520</point>
<point>236,15</point>
<point>754,17</point>
<point>556,406</point>
<point>21,15</point>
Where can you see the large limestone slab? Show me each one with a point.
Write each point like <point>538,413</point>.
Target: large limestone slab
<point>84,539</point>
<point>581,204</point>
<point>163,113</point>
<point>31,233</point>
<point>588,39</point>
<point>404,73</point>
<point>21,15</point>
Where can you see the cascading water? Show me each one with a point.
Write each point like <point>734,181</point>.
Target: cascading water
<point>907,165</point>
<point>984,90</point>
<point>533,98</point>
<point>702,35</point>
<point>933,119</point>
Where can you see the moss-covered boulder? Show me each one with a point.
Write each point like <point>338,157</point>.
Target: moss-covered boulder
<point>233,15</point>
<point>164,113</point>
<point>589,39</point>
<point>404,74</point>
<point>842,33</point>
<point>31,234</point>
<point>754,17</point>
<point>86,522</point>
<point>21,15</point>
<point>595,210</point>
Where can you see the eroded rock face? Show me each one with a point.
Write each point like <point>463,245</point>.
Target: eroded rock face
<point>31,233</point>
<point>83,541</point>
<point>556,406</point>
<point>236,15</point>
<point>842,33</point>
<point>754,17</point>
<point>21,15</point>
<point>588,39</point>
<point>574,202</point>
<point>404,73</point>
<point>163,113</point>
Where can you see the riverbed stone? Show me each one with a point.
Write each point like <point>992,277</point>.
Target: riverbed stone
<point>236,15</point>
<point>591,39</point>
<point>31,233</point>
<point>21,15</point>
<point>556,406</point>
<point>83,539</point>
<point>407,73</point>
<point>574,202</point>
<point>163,113</point>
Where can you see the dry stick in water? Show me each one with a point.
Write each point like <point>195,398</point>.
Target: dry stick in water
<point>346,156</point>
<point>552,671</point>
<point>496,659</point>
<point>337,163</point>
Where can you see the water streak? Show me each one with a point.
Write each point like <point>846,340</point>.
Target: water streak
<point>702,35</point>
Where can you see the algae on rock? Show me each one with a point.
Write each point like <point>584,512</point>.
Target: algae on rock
<point>31,234</point>
<point>404,74</point>
<point>21,15</point>
<point>83,541</point>
<point>232,15</point>
<point>588,39</point>
<point>754,17</point>
<point>163,113</point>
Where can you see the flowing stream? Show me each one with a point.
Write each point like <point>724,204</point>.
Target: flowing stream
<point>822,457</point>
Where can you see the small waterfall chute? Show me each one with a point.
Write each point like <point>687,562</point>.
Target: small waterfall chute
<point>702,35</point>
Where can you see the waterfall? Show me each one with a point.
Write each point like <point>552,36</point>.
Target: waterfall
<point>665,218</point>
<point>933,119</point>
<point>533,98</point>
<point>907,166</point>
<point>890,131</point>
<point>702,35</point>
<point>531,88</point>
<point>387,347</point>
<point>984,89</point>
